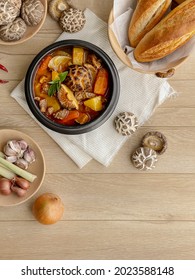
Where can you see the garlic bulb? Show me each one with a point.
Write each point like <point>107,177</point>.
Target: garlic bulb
<point>19,153</point>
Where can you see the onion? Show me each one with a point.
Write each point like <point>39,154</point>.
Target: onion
<point>19,191</point>
<point>5,186</point>
<point>48,208</point>
<point>22,183</point>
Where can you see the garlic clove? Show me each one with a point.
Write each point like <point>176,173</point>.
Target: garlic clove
<point>9,151</point>
<point>14,145</point>
<point>12,159</point>
<point>29,155</point>
<point>23,144</point>
<point>22,163</point>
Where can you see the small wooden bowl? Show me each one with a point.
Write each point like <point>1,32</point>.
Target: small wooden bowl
<point>30,30</point>
<point>38,167</point>
<point>162,73</point>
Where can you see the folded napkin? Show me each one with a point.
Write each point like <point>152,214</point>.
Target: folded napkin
<point>139,94</point>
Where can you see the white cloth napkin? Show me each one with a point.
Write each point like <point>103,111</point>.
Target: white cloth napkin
<point>139,94</point>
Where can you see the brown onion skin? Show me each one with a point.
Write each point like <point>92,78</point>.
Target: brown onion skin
<point>48,208</point>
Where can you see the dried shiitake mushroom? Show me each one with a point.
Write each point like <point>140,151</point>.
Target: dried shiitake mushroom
<point>155,140</point>
<point>9,10</point>
<point>126,123</point>
<point>56,7</point>
<point>72,20</point>
<point>13,31</point>
<point>18,5</point>
<point>168,74</point>
<point>144,158</point>
<point>32,12</point>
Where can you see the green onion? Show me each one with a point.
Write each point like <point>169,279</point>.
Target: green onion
<point>17,170</point>
<point>6,173</point>
<point>2,155</point>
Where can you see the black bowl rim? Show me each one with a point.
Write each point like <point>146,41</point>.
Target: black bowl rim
<point>80,128</point>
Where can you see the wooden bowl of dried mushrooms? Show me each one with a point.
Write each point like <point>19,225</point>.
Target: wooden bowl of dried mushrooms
<point>21,20</point>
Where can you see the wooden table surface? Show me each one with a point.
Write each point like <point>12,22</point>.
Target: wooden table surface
<point>110,213</point>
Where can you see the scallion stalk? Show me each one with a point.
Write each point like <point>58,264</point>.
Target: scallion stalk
<point>4,172</point>
<point>17,170</point>
<point>2,154</point>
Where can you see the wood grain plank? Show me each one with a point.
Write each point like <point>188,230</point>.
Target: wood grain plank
<point>126,197</point>
<point>184,98</point>
<point>162,117</point>
<point>98,240</point>
<point>179,157</point>
<point>184,117</point>
<point>185,70</point>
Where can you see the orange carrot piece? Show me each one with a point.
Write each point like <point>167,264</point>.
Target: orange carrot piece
<point>101,83</point>
<point>72,115</point>
<point>44,63</point>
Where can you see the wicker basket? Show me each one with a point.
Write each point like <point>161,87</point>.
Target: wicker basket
<point>162,72</point>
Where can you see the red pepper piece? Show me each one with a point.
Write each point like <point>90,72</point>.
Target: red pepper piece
<point>2,67</point>
<point>3,81</point>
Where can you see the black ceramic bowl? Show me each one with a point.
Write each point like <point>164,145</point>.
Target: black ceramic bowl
<point>114,87</point>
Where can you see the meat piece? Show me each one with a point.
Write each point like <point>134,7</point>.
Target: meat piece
<point>50,110</point>
<point>92,70</point>
<point>61,114</point>
<point>43,105</point>
<point>92,59</point>
<point>82,95</point>
<point>37,98</point>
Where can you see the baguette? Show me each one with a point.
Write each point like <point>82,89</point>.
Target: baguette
<point>172,32</point>
<point>179,1</point>
<point>146,15</point>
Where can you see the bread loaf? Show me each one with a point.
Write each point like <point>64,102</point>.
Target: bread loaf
<point>173,31</point>
<point>179,1</point>
<point>146,15</point>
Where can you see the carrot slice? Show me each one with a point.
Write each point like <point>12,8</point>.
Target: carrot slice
<point>44,64</point>
<point>72,115</point>
<point>101,83</point>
